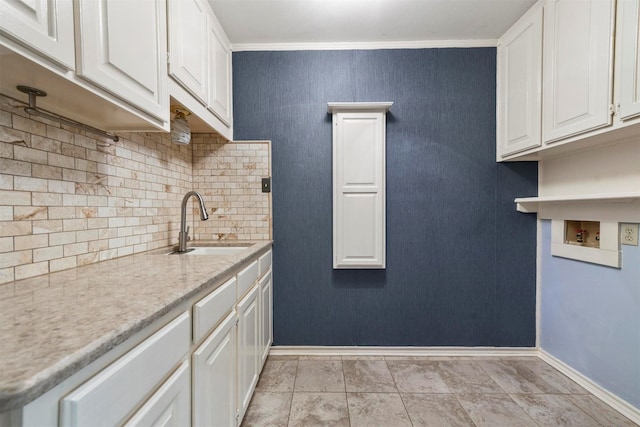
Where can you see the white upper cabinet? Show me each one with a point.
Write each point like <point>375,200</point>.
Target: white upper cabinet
<point>45,26</point>
<point>219,101</point>
<point>188,45</point>
<point>122,48</point>
<point>578,66</point>
<point>520,85</point>
<point>200,66</point>
<point>359,184</point>
<point>629,69</point>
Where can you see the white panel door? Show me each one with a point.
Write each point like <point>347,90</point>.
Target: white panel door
<point>219,72</point>
<point>358,194</point>
<point>248,347</point>
<point>266,316</point>
<point>123,50</point>
<point>188,45</point>
<point>520,85</point>
<point>45,26</point>
<point>577,63</point>
<point>214,377</point>
<point>629,61</point>
<point>170,406</point>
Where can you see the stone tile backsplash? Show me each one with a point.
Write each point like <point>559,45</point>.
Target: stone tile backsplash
<point>229,177</point>
<point>68,198</point>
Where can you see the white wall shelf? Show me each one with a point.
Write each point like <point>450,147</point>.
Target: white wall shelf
<point>623,206</point>
<point>608,209</point>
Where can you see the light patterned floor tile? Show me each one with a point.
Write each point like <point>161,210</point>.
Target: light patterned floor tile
<point>435,410</point>
<point>320,376</point>
<point>494,410</point>
<point>553,410</point>
<point>268,409</point>
<point>377,409</point>
<point>368,376</point>
<point>319,409</point>
<point>278,375</point>
<point>417,376</point>
<point>463,376</point>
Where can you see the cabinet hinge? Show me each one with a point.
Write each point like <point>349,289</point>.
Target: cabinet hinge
<point>168,58</point>
<point>613,109</point>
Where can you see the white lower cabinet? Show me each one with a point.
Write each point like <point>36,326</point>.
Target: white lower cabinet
<point>248,347</point>
<point>214,377</point>
<point>266,317</point>
<point>170,405</point>
<point>108,398</point>
<point>198,370</point>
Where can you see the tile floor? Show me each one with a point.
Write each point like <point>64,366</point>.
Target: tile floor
<point>422,391</point>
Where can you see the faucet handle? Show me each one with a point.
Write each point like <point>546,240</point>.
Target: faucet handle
<point>187,233</point>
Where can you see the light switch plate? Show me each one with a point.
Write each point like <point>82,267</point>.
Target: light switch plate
<point>629,234</point>
<point>266,185</point>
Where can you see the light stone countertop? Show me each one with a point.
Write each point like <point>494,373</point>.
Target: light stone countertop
<point>52,326</point>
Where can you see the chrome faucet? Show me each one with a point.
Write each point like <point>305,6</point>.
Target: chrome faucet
<point>183,237</point>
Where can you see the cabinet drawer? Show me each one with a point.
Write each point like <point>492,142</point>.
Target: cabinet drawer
<point>210,310</point>
<point>109,397</point>
<point>247,278</point>
<point>171,403</point>
<point>265,262</point>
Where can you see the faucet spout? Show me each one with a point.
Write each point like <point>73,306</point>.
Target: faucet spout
<point>183,236</point>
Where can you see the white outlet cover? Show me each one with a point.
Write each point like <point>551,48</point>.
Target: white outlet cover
<point>629,234</point>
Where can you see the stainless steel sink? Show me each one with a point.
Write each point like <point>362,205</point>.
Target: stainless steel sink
<point>213,250</point>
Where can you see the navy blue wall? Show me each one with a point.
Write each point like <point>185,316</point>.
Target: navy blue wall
<point>460,259</point>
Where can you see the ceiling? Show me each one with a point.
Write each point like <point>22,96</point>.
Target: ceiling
<point>255,23</point>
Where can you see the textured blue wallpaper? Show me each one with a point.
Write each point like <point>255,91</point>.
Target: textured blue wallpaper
<point>460,259</point>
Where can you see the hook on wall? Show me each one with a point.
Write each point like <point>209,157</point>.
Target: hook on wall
<point>33,110</point>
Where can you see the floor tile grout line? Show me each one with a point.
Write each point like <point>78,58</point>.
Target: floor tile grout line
<point>393,378</point>
<point>346,396</point>
<point>293,392</point>
<point>455,396</point>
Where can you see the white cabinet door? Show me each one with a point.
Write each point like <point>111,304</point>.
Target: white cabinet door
<point>266,316</point>
<point>219,72</point>
<point>45,26</point>
<point>214,377</point>
<point>578,62</point>
<point>248,347</point>
<point>359,185</point>
<point>122,48</point>
<point>629,61</point>
<point>188,45</point>
<point>170,406</point>
<point>520,85</point>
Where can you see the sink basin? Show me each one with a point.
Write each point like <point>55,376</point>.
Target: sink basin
<point>211,250</point>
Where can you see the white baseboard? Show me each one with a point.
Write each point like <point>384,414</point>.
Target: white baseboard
<point>401,351</point>
<point>620,405</point>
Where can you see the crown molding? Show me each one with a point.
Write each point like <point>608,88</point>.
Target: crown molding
<point>419,44</point>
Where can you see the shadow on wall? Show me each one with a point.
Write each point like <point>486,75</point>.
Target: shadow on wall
<point>359,279</point>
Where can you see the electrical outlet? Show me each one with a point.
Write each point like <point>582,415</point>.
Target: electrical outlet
<point>629,234</point>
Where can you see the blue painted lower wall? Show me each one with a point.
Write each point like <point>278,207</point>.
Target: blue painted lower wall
<point>590,317</point>
<point>460,259</point>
